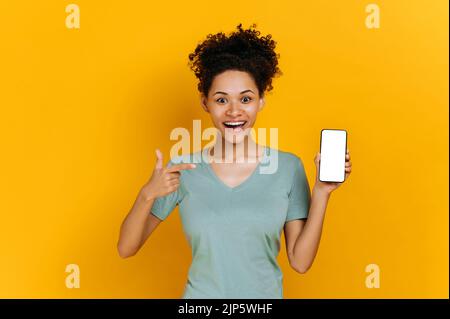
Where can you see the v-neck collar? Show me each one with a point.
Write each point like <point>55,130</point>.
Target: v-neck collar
<point>243,184</point>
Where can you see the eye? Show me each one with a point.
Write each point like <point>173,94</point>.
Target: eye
<point>219,99</point>
<point>249,99</point>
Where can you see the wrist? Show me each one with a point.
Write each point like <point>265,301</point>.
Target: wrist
<point>319,191</point>
<point>146,194</point>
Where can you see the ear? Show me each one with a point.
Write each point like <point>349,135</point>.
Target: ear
<point>203,103</point>
<point>262,102</point>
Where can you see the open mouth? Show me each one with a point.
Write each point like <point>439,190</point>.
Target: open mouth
<point>235,125</point>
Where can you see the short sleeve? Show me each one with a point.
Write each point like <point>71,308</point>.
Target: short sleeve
<point>163,206</point>
<point>299,195</point>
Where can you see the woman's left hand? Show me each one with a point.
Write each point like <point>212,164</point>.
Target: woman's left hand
<point>328,187</point>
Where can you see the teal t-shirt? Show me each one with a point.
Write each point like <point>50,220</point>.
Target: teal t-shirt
<point>234,232</point>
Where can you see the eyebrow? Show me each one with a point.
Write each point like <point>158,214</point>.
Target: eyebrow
<point>227,93</point>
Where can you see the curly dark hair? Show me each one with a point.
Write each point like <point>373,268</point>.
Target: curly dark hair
<point>242,50</point>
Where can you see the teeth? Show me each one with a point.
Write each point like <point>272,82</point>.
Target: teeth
<point>234,123</point>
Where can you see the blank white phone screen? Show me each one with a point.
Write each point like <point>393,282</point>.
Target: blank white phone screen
<point>332,155</point>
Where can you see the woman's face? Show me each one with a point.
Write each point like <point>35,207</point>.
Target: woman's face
<point>233,102</point>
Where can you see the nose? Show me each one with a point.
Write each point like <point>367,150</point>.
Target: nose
<point>234,109</point>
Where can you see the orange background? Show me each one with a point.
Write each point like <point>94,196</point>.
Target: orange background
<point>82,112</point>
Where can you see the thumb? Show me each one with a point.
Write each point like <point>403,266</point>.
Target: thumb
<point>159,159</point>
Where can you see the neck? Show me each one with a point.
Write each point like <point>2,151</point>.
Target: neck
<point>245,151</point>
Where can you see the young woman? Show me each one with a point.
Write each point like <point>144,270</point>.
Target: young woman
<point>232,214</point>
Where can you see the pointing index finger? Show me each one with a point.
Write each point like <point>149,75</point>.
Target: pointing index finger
<point>179,167</point>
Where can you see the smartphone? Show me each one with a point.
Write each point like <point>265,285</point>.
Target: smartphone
<point>333,147</point>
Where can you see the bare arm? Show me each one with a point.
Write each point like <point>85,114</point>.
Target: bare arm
<point>137,226</point>
<point>140,222</point>
<point>150,225</point>
<point>303,238</point>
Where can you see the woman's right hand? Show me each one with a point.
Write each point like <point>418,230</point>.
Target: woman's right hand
<point>164,180</point>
